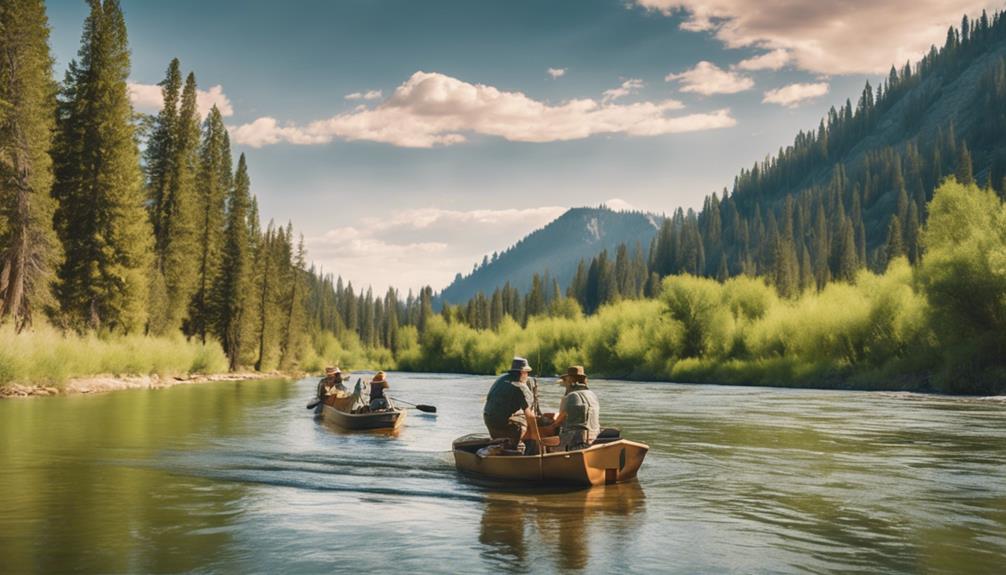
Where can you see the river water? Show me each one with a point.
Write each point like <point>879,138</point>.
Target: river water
<point>239,477</point>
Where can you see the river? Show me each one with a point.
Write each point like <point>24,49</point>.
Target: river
<point>239,477</point>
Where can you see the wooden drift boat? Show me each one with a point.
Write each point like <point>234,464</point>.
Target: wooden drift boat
<point>607,461</point>
<point>337,410</point>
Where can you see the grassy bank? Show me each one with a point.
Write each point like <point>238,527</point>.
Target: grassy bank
<point>45,355</point>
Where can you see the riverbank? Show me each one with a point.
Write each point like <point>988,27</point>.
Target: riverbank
<point>106,383</point>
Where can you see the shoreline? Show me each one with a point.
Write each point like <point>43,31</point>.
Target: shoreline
<point>107,382</point>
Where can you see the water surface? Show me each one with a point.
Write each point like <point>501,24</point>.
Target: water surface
<point>239,477</point>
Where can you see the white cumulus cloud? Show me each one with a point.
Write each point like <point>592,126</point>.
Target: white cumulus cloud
<point>773,60</point>
<point>148,98</point>
<point>424,246</point>
<point>556,72</point>
<point>432,109</point>
<point>628,87</point>
<point>848,37</point>
<point>795,94</point>
<point>707,79</point>
<point>368,95</point>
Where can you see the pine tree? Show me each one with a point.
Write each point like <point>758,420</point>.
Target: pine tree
<point>29,248</point>
<point>233,278</point>
<point>172,163</point>
<point>895,246</point>
<point>964,173</point>
<point>101,219</point>
<point>213,185</point>
<point>265,275</point>
<point>294,329</point>
<point>847,261</point>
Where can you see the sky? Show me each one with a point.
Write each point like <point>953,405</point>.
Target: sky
<point>406,139</point>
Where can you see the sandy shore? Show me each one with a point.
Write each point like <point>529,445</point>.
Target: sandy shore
<point>103,383</point>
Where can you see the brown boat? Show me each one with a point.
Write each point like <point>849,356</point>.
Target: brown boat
<point>336,409</point>
<point>609,460</point>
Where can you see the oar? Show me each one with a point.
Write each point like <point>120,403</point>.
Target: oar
<point>313,404</point>
<point>420,407</point>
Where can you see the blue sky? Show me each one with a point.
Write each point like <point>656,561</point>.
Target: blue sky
<point>459,140</point>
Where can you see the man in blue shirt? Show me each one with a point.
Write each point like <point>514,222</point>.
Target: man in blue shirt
<point>508,412</point>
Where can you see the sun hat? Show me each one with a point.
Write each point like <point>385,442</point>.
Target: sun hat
<point>573,373</point>
<point>519,364</point>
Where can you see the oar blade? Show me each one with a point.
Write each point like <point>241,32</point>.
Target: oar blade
<point>313,404</point>
<point>427,408</point>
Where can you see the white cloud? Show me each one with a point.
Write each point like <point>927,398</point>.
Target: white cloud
<point>368,95</point>
<point>425,246</point>
<point>148,98</point>
<point>795,94</point>
<point>706,78</point>
<point>849,37</point>
<point>432,109</point>
<point>556,72</point>
<point>620,205</point>
<point>628,87</point>
<point>773,60</point>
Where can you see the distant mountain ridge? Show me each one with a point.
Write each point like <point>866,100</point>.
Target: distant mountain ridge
<point>557,248</point>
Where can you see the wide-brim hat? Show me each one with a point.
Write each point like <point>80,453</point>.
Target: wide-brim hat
<point>519,364</point>
<point>574,373</point>
<point>332,371</point>
<point>378,377</point>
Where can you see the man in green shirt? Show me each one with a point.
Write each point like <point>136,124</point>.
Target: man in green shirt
<point>579,420</point>
<point>508,412</point>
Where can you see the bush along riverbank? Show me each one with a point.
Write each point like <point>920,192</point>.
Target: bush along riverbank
<point>937,326</point>
<point>45,361</point>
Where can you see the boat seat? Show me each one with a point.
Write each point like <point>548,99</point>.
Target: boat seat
<point>608,435</point>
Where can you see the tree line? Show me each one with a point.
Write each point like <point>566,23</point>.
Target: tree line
<point>99,237</point>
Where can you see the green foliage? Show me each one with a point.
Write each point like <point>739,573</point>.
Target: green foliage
<point>101,219</point>
<point>963,273</point>
<point>29,248</point>
<point>44,354</point>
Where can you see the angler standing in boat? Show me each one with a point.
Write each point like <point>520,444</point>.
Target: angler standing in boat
<point>579,420</point>
<point>378,387</point>
<point>508,412</point>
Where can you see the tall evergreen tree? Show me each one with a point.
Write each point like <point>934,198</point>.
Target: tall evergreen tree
<point>233,279</point>
<point>29,248</point>
<point>172,163</point>
<point>213,186</point>
<point>101,220</point>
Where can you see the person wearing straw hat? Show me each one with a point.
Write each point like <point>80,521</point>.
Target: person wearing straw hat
<point>579,419</point>
<point>331,384</point>
<point>379,385</point>
<point>508,413</point>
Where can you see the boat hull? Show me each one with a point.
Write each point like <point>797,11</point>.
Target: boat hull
<point>336,411</point>
<point>607,463</point>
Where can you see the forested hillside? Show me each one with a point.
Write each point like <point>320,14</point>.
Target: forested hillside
<point>849,195</point>
<point>554,251</point>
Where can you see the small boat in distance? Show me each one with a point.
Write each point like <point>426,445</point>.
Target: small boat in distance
<point>609,460</point>
<point>337,410</point>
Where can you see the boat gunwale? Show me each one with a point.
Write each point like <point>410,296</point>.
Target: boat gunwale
<point>555,454</point>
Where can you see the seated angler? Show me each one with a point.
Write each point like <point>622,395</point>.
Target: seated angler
<point>331,384</point>
<point>508,412</point>
<point>579,419</point>
<point>378,387</point>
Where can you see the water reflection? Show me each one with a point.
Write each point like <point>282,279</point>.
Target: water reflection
<point>561,525</point>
